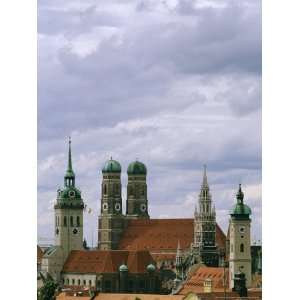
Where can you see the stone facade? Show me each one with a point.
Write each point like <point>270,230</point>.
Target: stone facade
<point>240,241</point>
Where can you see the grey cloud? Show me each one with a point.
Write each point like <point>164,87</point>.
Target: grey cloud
<point>176,89</point>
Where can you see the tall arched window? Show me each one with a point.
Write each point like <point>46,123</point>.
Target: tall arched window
<point>105,189</point>
<point>78,221</point>
<point>71,221</point>
<point>242,248</point>
<point>65,221</point>
<point>78,282</point>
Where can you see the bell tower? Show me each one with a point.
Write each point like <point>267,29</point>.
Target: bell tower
<point>111,220</point>
<point>240,240</point>
<point>137,200</point>
<point>69,213</point>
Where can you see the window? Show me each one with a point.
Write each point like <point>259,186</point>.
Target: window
<point>242,248</point>
<point>78,281</point>
<point>78,221</point>
<point>105,189</point>
<point>84,282</point>
<point>73,281</point>
<point>65,221</point>
<point>71,221</point>
<point>68,281</point>
<point>90,282</point>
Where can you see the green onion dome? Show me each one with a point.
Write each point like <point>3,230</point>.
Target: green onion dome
<point>111,166</point>
<point>151,268</point>
<point>240,209</point>
<point>137,168</point>
<point>123,268</point>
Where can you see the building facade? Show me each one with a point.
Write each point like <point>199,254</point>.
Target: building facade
<point>240,240</point>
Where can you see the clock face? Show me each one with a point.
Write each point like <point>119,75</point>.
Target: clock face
<point>242,229</point>
<point>143,207</point>
<point>71,194</point>
<point>75,231</point>
<point>117,206</point>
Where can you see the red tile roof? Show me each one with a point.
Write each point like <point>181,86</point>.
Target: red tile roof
<point>162,235</point>
<point>106,261</point>
<point>195,283</point>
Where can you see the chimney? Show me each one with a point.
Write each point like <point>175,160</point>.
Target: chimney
<point>207,285</point>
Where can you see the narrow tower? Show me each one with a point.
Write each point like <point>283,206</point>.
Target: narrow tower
<point>137,201</point>
<point>69,213</point>
<point>240,239</point>
<point>205,227</point>
<point>111,220</point>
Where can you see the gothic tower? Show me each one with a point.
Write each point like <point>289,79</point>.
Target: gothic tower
<point>111,220</point>
<point>205,227</point>
<point>240,240</point>
<point>69,213</point>
<point>137,201</point>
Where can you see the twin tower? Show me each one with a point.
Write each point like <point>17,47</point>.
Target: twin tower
<point>112,221</point>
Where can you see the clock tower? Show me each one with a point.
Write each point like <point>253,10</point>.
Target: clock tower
<point>111,220</point>
<point>239,241</point>
<point>69,213</point>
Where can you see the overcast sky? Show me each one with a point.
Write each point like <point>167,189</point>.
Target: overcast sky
<point>176,84</point>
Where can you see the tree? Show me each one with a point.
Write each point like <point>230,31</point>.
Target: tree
<point>47,291</point>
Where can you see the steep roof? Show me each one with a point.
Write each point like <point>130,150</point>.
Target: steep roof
<point>107,261</point>
<point>159,235</point>
<point>195,283</point>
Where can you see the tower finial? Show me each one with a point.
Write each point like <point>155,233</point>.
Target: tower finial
<point>70,156</point>
<point>205,183</point>
<point>240,194</point>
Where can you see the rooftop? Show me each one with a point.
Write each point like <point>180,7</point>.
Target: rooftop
<point>162,235</point>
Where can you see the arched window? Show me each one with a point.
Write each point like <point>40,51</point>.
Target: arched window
<point>73,281</point>
<point>65,221</point>
<point>71,221</point>
<point>78,281</point>
<point>242,248</point>
<point>105,189</point>
<point>67,281</point>
<point>78,221</point>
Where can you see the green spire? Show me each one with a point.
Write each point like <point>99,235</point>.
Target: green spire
<point>70,175</point>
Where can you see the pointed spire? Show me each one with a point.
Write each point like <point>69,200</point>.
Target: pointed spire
<point>70,157</point>
<point>204,183</point>
<point>70,175</point>
<point>240,194</point>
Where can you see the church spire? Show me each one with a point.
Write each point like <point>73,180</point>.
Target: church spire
<point>70,175</point>
<point>204,183</point>
<point>70,157</point>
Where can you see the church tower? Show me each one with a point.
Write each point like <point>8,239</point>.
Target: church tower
<point>205,227</point>
<point>137,201</point>
<point>69,213</point>
<point>111,220</point>
<point>240,240</point>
